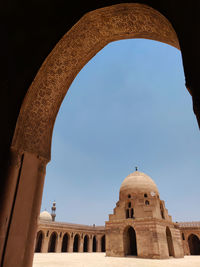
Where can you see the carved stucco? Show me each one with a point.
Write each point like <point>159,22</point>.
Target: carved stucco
<point>86,38</point>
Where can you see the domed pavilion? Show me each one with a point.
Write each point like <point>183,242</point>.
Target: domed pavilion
<point>140,224</point>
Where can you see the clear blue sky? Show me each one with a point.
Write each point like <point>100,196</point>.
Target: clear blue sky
<point>127,107</point>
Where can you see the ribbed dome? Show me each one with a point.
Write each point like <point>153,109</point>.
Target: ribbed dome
<point>45,216</point>
<point>138,182</point>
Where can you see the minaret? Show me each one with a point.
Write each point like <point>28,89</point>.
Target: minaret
<point>53,211</point>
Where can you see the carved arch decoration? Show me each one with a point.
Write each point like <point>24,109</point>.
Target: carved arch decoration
<point>83,41</point>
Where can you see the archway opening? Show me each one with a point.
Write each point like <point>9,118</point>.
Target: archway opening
<point>194,244</point>
<point>76,243</point>
<point>169,242</point>
<point>94,244</point>
<point>52,242</point>
<point>130,243</point>
<point>39,241</point>
<point>103,244</point>
<point>65,243</point>
<point>85,243</point>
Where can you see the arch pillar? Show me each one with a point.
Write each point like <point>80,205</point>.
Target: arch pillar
<point>71,243</point>
<point>29,179</point>
<point>45,244</point>
<point>59,244</point>
<point>7,196</point>
<point>81,244</point>
<point>90,242</point>
<point>98,238</point>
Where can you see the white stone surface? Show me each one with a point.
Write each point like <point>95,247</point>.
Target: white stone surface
<point>99,260</point>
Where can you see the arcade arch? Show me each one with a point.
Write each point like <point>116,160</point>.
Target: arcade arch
<point>39,241</point>
<point>53,242</point>
<point>31,144</point>
<point>103,244</point>
<point>86,243</point>
<point>76,243</point>
<point>65,243</point>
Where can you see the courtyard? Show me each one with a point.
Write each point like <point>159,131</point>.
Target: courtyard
<point>99,260</point>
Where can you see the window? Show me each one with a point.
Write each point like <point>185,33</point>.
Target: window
<point>132,213</point>
<point>129,196</point>
<point>129,204</point>
<point>147,202</point>
<point>145,195</point>
<point>127,213</point>
<point>183,236</point>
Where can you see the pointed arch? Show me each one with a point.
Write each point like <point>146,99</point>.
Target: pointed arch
<point>65,243</point>
<point>194,244</point>
<point>76,243</point>
<point>94,244</point>
<point>169,242</point>
<point>103,244</point>
<point>130,242</point>
<point>53,242</point>
<point>86,243</point>
<point>39,241</point>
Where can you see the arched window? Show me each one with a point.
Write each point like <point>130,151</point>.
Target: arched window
<point>145,195</point>
<point>162,211</point>
<point>65,242</point>
<point>39,241</point>
<point>132,213</point>
<point>129,196</point>
<point>147,202</point>
<point>183,236</point>
<point>127,213</point>
<point>52,242</point>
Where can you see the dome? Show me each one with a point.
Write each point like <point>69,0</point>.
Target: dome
<point>45,216</point>
<point>138,182</point>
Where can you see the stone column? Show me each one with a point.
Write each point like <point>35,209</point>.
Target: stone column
<point>25,212</point>
<point>98,243</point>
<point>90,243</point>
<point>45,244</point>
<point>59,244</point>
<point>71,243</point>
<point>7,196</point>
<point>81,244</point>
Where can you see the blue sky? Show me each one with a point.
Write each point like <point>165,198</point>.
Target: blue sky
<point>127,107</point>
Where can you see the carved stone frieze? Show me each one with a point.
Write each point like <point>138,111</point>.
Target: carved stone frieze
<point>86,38</point>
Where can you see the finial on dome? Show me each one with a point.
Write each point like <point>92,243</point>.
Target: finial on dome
<point>136,168</point>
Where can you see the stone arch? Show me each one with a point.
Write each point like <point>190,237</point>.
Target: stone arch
<point>94,244</point>
<point>103,243</point>
<point>169,242</point>
<point>31,143</point>
<point>65,242</point>
<point>85,39</point>
<point>76,243</point>
<point>39,241</point>
<point>194,244</point>
<point>86,243</point>
<point>53,242</point>
<point>130,241</point>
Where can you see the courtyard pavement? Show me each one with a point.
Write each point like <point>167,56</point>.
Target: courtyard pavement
<point>99,260</point>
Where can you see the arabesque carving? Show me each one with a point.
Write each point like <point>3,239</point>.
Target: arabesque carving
<point>86,38</point>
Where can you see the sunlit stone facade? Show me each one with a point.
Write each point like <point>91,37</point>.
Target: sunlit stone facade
<point>140,225</point>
